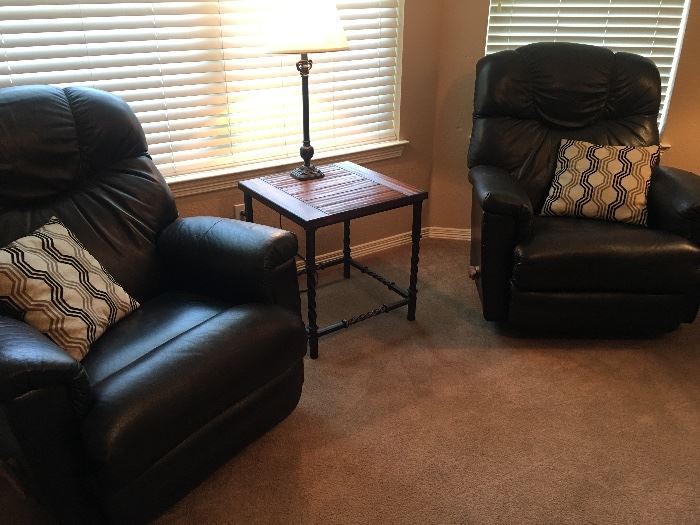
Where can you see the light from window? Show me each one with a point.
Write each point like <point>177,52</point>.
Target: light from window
<point>651,28</point>
<point>198,78</point>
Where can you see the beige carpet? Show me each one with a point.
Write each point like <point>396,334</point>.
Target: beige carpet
<point>449,420</point>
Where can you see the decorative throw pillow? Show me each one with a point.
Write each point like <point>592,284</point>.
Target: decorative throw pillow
<point>601,182</point>
<point>51,281</point>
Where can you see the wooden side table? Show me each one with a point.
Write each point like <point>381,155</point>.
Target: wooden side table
<point>347,191</point>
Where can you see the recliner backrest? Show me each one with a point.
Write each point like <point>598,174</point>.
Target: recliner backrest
<point>80,154</point>
<point>527,100</point>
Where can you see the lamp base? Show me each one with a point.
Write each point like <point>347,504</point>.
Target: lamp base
<point>306,172</point>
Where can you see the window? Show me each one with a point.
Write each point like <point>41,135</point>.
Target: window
<point>652,28</point>
<point>198,78</point>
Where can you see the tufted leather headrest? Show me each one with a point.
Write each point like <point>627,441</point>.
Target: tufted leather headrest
<point>51,138</point>
<point>528,99</point>
<point>80,154</point>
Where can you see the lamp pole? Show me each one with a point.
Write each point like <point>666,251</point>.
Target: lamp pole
<point>307,171</point>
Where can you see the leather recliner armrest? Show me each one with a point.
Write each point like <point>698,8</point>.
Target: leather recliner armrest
<point>501,214</point>
<point>30,361</point>
<point>498,192</point>
<point>674,202</point>
<point>239,261</point>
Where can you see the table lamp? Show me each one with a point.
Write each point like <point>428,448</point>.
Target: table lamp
<point>306,26</point>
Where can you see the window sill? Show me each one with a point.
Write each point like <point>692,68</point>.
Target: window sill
<point>227,178</point>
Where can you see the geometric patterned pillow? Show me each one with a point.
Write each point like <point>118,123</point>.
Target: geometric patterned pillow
<point>51,282</point>
<point>601,182</point>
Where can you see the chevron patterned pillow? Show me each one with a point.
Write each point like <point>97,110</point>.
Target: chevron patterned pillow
<point>50,281</point>
<point>601,182</point>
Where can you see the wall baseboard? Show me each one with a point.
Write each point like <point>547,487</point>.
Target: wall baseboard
<point>368,248</point>
<point>455,234</point>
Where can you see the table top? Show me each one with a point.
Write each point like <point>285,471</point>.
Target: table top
<point>346,191</point>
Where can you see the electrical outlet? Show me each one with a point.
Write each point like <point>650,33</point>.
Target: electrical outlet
<point>239,212</point>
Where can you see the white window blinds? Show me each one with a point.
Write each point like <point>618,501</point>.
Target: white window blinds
<point>198,78</point>
<point>651,28</point>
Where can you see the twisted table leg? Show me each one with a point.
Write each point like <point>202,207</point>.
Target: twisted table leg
<point>346,249</point>
<point>415,247</point>
<point>312,329</point>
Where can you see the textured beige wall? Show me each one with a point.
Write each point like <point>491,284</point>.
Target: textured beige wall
<point>443,39</point>
<point>462,43</point>
<point>682,130</point>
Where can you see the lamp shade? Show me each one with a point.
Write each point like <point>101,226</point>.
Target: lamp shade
<point>305,26</point>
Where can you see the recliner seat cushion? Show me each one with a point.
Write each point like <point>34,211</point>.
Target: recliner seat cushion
<point>570,254</point>
<point>173,366</point>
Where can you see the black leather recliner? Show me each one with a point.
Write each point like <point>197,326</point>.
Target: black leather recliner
<point>212,359</point>
<point>563,272</point>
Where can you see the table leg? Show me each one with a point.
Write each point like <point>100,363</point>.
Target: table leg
<point>415,246</point>
<point>312,329</point>
<point>248,203</point>
<point>346,249</point>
